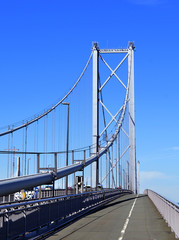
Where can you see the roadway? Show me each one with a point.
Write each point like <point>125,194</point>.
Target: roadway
<point>129,217</point>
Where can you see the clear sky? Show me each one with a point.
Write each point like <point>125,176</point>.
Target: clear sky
<point>45,44</point>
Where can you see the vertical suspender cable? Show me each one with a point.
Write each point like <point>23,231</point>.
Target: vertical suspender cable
<point>44,144</point>
<point>58,145</point>
<point>106,170</point>
<point>37,137</point>
<point>101,169</point>
<point>37,134</point>
<point>116,162</point>
<point>109,169</point>
<point>54,132</point>
<point>23,152</point>
<point>112,166</point>
<point>8,154</point>
<point>11,154</point>
<point>34,145</point>
<point>25,148</point>
<point>119,159</point>
<point>46,140</point>
<point>59,131</point>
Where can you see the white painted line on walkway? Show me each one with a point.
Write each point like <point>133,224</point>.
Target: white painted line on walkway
<point>127,221</point>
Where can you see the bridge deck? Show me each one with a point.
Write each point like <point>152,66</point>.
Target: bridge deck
<point>128,217</point>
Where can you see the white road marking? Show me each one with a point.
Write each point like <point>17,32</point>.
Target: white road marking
<point>127,221</point>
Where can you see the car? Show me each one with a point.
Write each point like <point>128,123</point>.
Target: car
<point>48,188</point>
<point>100,186</point>
<point>88,188</point>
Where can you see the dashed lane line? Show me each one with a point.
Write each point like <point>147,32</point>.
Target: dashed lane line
<point>127,221</point>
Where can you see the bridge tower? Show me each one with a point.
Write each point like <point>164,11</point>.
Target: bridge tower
<point>95,165</point>
<point>132,152</point>
<point>132,149</point>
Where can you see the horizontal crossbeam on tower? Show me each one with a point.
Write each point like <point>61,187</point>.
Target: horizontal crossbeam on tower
<point>113,50</point>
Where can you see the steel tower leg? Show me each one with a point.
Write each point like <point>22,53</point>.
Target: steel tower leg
<point>95,165</point>
<point>132,155</point>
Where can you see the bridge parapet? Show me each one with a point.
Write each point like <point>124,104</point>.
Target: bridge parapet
<point>168,210</point>
<point>31,218</point>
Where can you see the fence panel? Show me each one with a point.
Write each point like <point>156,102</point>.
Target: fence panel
<point>168,210</point>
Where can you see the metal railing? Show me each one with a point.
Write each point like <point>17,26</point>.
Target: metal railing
<point>32,218</point>
<point>168,210</point>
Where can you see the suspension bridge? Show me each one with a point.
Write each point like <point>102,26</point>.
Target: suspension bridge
<point>79,156</point>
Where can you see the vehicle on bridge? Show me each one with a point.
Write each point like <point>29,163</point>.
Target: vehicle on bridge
<point>88,188</point>
<point>24,195</point>
<point>100,186</point>
<point>48,188</point>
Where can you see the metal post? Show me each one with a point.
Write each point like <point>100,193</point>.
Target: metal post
<point>106,171</point>
<point>67,144</point>
<point>8,153</point>
<point>38,170</point>
<point>83,172</point>
<point>25,148</point>
<point>138,177</point>
<point>127,175</point>
<point>18,166</point>
<point>53,190</point>
<point>109,170</point>
<point>55,163</point>
<point>90,167</point>
<point>73,173</point>
<point>119,160</point>
<point>28,166</point>
<point>38,162</point>
<point>116,163</point>
<point>112,168</point>
<point>95,165</point>
<point>124,185</point>
<point>132,156</point>
<point>121,172</point>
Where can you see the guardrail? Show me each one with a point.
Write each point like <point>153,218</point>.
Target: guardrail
<point>168,210</point>
<point>32,218</point>
<point>35,195</point>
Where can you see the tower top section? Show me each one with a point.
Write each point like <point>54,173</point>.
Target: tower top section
<point>95,45</point>
<point>131,45</point>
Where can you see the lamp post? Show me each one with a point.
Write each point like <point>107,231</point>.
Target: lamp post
<point>67,143</point>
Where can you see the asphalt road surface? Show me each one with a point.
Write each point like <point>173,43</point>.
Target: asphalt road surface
<point>129,217</point>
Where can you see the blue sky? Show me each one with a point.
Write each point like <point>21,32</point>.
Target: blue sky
<point>45,44</point>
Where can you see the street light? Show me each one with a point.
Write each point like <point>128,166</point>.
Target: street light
<point>67,143</point>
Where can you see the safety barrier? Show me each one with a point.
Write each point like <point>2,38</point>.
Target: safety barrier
<point>32,218</point>
<point>167,209</point>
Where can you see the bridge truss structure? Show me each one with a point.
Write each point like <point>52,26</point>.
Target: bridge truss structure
<point>107,158</point>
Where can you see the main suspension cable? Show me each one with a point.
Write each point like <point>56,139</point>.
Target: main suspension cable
<point>52,108</point>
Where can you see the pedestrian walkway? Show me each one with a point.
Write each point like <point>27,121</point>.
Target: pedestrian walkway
<point>129,217</point>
